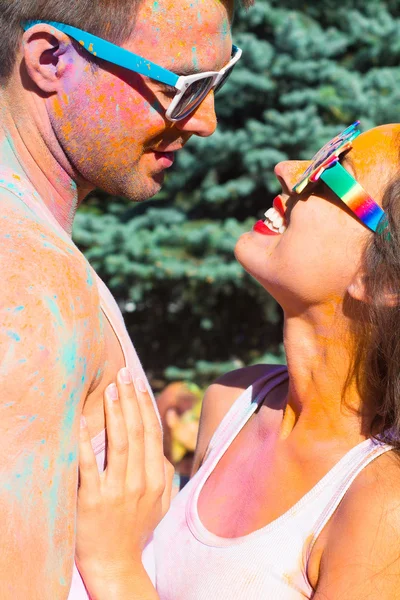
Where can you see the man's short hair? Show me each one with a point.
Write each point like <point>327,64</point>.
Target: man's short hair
<point>108,19</point>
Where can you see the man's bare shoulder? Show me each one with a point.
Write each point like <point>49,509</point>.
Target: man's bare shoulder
<point>50,307</point>
<point>31,249</point>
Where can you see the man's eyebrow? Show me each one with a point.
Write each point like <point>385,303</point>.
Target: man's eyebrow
<point>184,70</point>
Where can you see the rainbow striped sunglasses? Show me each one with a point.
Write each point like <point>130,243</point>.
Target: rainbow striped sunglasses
<point>325,166</point>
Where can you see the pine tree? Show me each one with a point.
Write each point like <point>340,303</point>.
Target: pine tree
<point>308,70</point>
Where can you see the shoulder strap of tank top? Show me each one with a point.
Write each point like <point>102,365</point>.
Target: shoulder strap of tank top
<point>361,456</point>
<point>242,409</point>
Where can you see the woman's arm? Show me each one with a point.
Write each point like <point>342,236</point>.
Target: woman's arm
<point>361,557</point>
<point>119,509</point>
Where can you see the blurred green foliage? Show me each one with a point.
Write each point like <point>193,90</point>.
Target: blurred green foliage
<point>308,70</point>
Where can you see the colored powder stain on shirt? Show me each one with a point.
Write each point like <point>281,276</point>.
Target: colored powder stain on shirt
<point>19,309</point>
<point>14,336</point>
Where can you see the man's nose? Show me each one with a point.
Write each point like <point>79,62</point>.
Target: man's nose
<point>203,121</point>
<point>289,172</point>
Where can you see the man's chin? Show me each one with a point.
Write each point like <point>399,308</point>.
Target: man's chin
<point>137,189</point>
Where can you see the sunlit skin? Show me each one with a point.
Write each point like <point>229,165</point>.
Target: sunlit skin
<point>313,269</point>
<point>118,113</point>
<point>69,128</point>
<point>315,265</point>
<point>300,431</point>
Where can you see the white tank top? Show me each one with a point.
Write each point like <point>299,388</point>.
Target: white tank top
<point>269,564</point>
<point>27,194</point>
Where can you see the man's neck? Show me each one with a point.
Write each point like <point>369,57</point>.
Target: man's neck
<point>28,145</point>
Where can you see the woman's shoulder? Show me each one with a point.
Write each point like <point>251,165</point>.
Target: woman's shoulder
<point>364,534</point>
<point>219,398</point>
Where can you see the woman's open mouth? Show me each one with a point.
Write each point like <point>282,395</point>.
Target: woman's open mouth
<point>274,223</point>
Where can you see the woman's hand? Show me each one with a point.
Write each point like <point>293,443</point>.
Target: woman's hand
<point>119,508</point>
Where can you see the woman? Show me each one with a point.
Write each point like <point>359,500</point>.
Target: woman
<point>296,485</point>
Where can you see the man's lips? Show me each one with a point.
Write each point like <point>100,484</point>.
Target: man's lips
<point>166,159</point>
<point>165,156</point>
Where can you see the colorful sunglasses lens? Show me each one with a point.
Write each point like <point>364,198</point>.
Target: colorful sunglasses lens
<point>332,148</point>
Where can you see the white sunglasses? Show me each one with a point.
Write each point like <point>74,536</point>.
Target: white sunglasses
<point>191,89</point>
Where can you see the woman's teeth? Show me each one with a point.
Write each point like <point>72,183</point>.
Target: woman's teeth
<point>275,221</point>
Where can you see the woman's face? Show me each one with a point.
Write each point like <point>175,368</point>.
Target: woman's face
<point>314,261</point>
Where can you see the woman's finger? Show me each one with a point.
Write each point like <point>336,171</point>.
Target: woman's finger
<point>135,475</point>
<point>117,441</point>
<point>167,495</point>
<point>88,472</point>
<point>153,440</point>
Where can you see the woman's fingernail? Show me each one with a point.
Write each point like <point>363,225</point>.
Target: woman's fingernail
<point>83,422</point>
<point>112,391</point>
<point>126,376</point>
<point>140,385</point>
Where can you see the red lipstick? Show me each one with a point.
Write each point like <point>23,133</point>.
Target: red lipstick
<point>278,205</point>
<point>261,227</point>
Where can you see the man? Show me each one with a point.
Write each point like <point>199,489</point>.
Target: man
<point>77,114</point>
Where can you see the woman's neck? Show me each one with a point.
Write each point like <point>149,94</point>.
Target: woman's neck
<point>324,397</point>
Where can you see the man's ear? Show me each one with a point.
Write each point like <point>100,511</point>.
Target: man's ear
<point>47,53</point>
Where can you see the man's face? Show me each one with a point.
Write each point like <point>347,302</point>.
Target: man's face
<point>111,122</point>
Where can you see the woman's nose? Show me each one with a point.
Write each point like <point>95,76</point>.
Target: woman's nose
<point>289,172</point>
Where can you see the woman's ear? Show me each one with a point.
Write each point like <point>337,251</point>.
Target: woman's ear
<point>48,55</point>
<point>358,290</point>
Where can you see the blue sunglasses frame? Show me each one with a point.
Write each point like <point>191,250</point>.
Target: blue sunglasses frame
<point>133,62</point>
